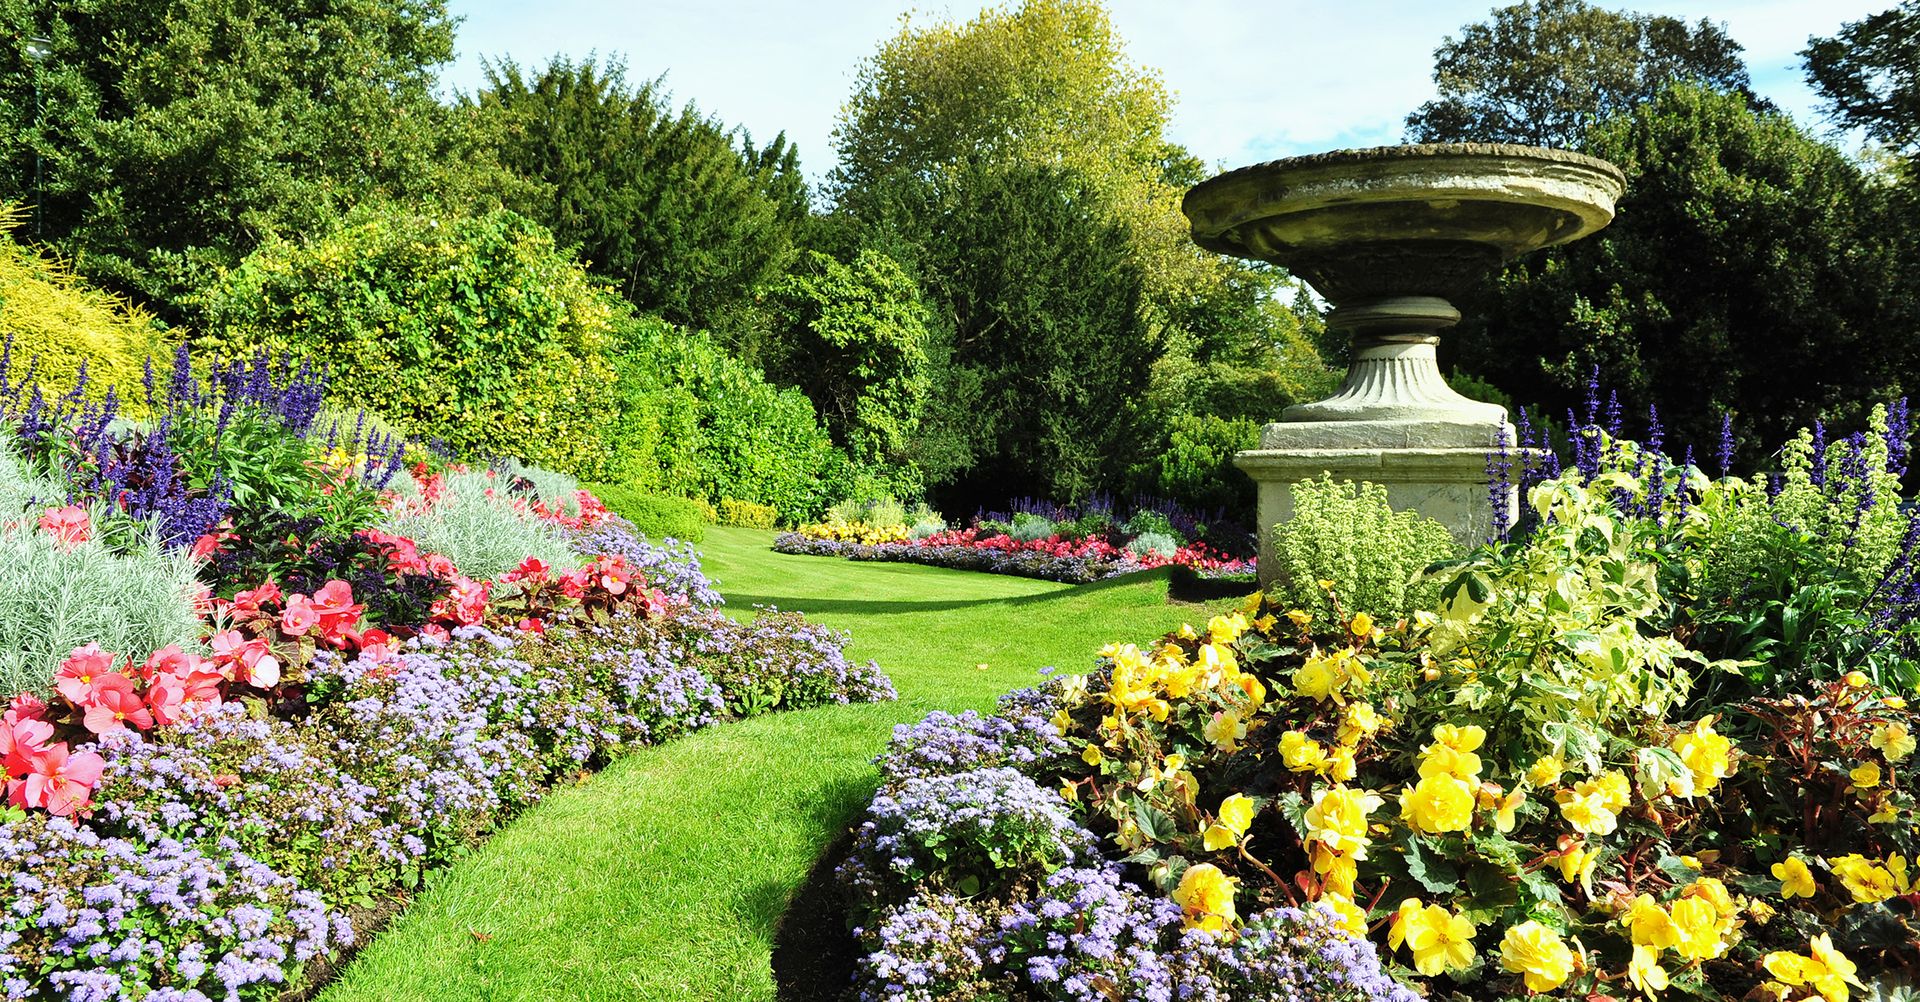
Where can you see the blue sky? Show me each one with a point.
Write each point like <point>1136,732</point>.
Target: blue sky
<point>1254,81</point>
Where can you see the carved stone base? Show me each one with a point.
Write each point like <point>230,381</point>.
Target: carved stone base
<point>1447,484</point>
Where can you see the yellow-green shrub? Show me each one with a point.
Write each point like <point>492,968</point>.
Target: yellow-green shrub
<point>477,331</point>
<point>58,323</point>
<point>748,514</point>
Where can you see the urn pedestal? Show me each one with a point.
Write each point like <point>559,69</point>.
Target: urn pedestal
<point>1389,236</point>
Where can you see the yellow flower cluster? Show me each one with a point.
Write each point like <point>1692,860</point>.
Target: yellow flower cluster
<point>1699,925</point>
<point>1869,880</point>
<point>856,532</point>
<point>1205,897</point>
<point>1440,940</point>
<point>1708,756</point>
<point>1146,682</point>
<point>1822,968</point>
<point>1538,955</point>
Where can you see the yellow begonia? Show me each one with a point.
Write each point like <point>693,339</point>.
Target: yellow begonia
<point>1338,819</point>
<point>1225,730</point>
<point>1062,722</point>
<point>1537,954</point>
<point>1236,815</point>
<point>1340,766</point>
<point>1714,891</point>
<point>1706,753</point>
<point>1205,897</point>
<point>1856,679</point>
<point>1796,879</point>
<point>1361,625</point>
<point>1870,881</point>
<point>1702,930</point>
<point>1357,722</point>
<point>1865,776</point>
<point>1327,676</point>
<point>1226,629</point>
<point>1824,969</point>
<point>1645,973</point>
<point>1504,808</point>
<point>1466,739</point>
<point>1588,814</point>
<point>1576,866</point>
<point>1091,755</point>
<point>1650,925</point>
<point>1893,741</point>
<point>1438,803</point>
<point>1300,617</point>
<point>1301,753</point>
<point>1614,787</point>
<point>1353,918</point>
<point>1337,872</point>
<point>1545,771</point>
<point>1440,940</point>
<point>1402,921</point>
<point>1445,760</point>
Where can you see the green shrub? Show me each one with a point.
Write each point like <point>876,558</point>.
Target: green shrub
<point>1348,534</point>
<point>695,421</point>
<point>748,514</point>
<point>1148,543</point>
<point>1197,467</point>
<point>475,331</point>
<point>485,536</point>
<point>555,490</point>
<point>57,324</point>
<point>660,516</point>
<point>1028,527</point>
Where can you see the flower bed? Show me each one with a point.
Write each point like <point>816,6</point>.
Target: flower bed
<point>344,709</point>
<point>1072,561</point>
<point>1571,777</point>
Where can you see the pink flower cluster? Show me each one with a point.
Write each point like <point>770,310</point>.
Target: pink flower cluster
<point>1196,555</point>
<point>41,772</point>
<point>69,525</point>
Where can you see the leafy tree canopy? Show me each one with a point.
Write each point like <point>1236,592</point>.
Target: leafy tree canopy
<point>1869,75</point>
<point>1748,270</point>
<point>175,135</point>
<point>687,217</point>
<point>1543,72</point>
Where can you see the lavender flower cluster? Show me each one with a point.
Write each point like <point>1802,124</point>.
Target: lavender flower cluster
<point>1087,934</point>
<point>778,660</point>
<point>95,917</point>
<point>1019,735</point>
<point>961,830</point>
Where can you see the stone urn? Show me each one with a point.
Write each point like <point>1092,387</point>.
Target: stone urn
<point>1390,237</point>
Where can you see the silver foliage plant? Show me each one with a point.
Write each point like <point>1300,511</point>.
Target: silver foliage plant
<point>54,596</point>
<point>483,536</point>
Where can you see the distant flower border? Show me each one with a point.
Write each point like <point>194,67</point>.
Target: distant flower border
<point>1068,562</point>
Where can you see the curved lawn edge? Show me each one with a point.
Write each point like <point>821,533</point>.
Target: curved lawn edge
<point>665,875</point>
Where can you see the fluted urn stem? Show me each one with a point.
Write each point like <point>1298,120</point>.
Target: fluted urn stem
<point>1394,374</point>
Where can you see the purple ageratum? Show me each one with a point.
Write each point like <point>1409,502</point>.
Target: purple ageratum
<point>1285,953</point>
<point>101,917</point>
<point>987,825</point>
<point>1020,735</point>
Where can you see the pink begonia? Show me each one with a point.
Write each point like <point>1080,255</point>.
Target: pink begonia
<point>299,616</point>
<point>239,659</point>
<point>76,675</point>
<point>57,781</point>
<point>20,739</point>
<point>334,604</point>
<point>69,525</point>
<point>26,706</point>
<point>114,705</point>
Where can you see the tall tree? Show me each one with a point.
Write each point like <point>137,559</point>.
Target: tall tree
<point>1749,269</point>
<point>170,136</point>
<point>1040,88</point>
<point>1543,72</point>
<point>1869,75</point>
<point>686,216</point>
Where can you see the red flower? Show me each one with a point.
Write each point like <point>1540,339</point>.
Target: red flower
<point>114,705</point>
<point>57,781</point>
<point>69,525</point>
<point>338,614</point>
<point>79,671</point>
<point>27,706</point>
<point>532,626</point>
<point>532,567</point>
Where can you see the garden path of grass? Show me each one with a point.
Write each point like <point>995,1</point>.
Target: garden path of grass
<point>663,877</point>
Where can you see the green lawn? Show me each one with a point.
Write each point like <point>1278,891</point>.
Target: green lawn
<point>663,876</point>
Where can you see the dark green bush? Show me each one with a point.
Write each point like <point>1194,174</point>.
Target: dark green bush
<point>1197,467</point>
<point>475,331</point>
<point>660,516</point>
<point>696,421</point>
